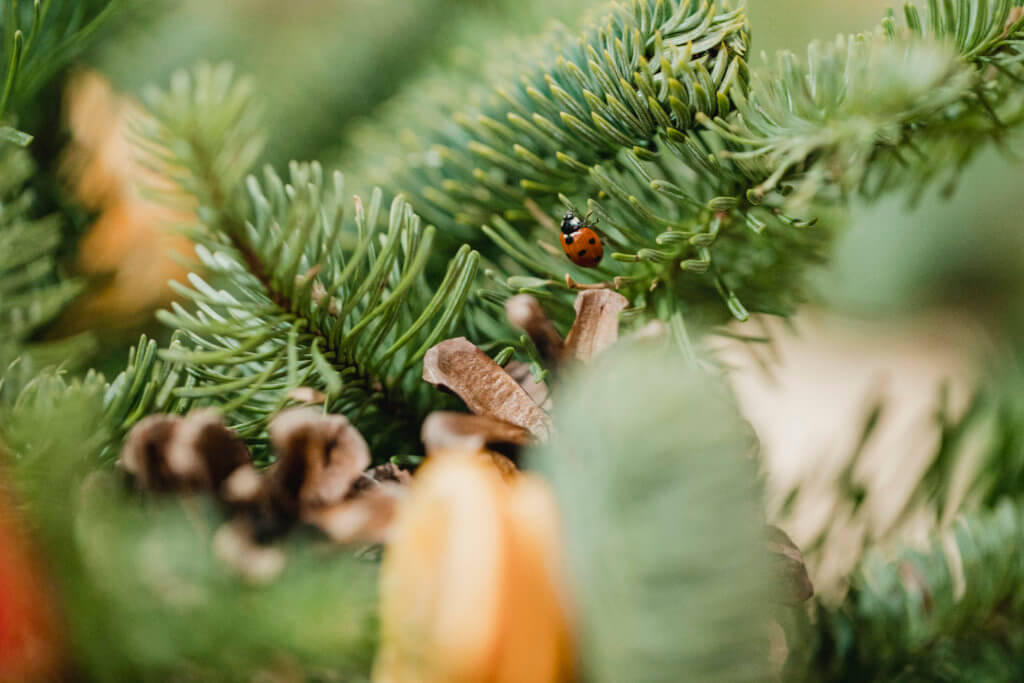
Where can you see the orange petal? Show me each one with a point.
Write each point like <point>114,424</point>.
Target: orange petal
<point>442,576</point>
<point>471,587</point>
<point>536,640</point>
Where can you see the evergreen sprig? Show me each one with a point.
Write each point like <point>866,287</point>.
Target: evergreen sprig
<point>38,39</point>
<point>859,114</point>
<point>310,298</point>
<point>609,121</point>
<point>649,66</point>
<point>32,292</point>
<point>916,617</point>
<point>146,594</point>
<point>712,185</point>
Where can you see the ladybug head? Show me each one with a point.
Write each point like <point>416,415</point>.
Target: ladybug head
<point>571,222</point>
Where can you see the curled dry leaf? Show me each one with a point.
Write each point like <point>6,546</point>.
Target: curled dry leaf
<point>523,374</point>
<point>525,312</point>
<point>170,453</point>
<point>597,323</point>
<point>788,561</point>
<point>365,517</point>
<point>444,430</point>
<point>459,366</point>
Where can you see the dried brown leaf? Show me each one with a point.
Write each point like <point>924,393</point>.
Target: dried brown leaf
<point>364,518</point>
<point>597,323</point>
<point>457,431</point>
<point>525,312</point>
<point>459,366</point>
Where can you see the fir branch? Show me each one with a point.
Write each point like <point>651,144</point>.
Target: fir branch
<point>649,66</point>
<point>38,39</point>
<point>147,579</point>
<point>865,112</point>
<point>32,292</point>
<point>704,179</point>
<point>918,615</point>
<point>608,121</point>
<point>304,309</point>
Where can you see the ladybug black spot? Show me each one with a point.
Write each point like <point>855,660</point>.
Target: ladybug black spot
<point>568,239</point>
<point>582,252</point>
<point>593,241</point>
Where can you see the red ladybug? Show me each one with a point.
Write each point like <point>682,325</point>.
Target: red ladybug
<point>579,241</point>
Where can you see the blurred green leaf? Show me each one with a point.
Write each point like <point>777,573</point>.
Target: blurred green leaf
<point>654,472</point>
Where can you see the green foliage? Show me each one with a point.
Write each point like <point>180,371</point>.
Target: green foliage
<point>39,38</point>
<point>31,292</point>
<point>716,189</point>
<point>646,67</point>
<point>579,120</point>
<point>992,427</point>
<point>667,564</point>
<point>146,385</point>
<point>712,185</point>
<point>932,614</point>
<point>37,41</point>
<point>148,598</point>
<point>300,307</point>
<point>865,112</point>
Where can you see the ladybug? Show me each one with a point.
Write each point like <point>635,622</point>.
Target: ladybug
<point>579,241</point>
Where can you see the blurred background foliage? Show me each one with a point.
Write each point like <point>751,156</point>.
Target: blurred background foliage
<point>337,80</point>
<point>943,273</point>
<point>333,75</point>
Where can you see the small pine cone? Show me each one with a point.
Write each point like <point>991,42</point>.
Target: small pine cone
<point>375,476</point>
<point>319,458</point>
<point>194,453</point>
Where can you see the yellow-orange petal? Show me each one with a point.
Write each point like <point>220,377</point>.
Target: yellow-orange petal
<point>535,635</point>
<point>441,577</point>
<point>471,587</point>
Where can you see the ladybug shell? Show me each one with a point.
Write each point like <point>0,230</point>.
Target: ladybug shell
<point>583,247</point>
